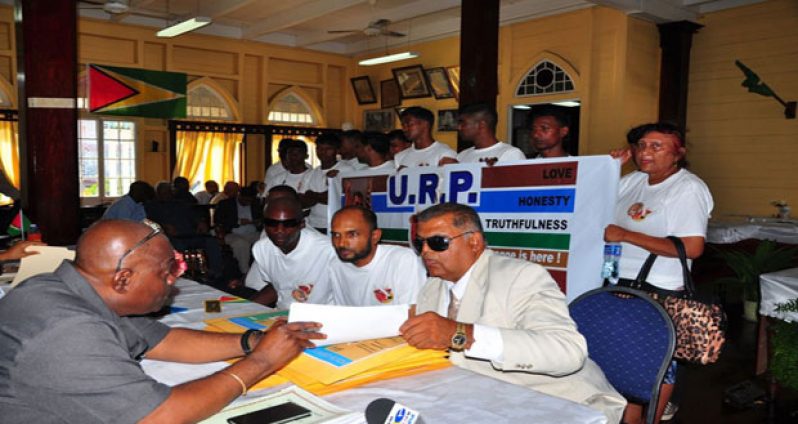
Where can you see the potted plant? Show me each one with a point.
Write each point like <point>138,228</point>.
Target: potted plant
<point>748,267</point>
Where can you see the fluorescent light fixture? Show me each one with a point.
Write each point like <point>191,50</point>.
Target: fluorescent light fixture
<point>388,58</point>
<point>567,103</point>
<point>184,27</point>
<point>522,107</point>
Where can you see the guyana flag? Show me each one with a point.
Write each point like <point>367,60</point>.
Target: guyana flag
<point>18,224</point>
<point>137,92</point>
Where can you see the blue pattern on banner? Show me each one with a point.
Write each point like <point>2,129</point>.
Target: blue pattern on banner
<point>379,203</point>
<point>530,201</point>
<point>247,323</point>
<point>327,356</point>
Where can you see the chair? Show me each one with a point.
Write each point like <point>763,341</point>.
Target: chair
<point>631,338</point>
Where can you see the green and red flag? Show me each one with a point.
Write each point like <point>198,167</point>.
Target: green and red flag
<point>19,225</point>
<point>137,92</point>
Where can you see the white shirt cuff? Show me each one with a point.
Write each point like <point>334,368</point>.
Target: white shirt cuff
<point>487,345</point>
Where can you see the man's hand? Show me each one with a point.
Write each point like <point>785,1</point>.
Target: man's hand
<point>284,342</point>
<point>428,331</point>
<point>332,173</point>
<point>18,250</point>
<point>614,233</point>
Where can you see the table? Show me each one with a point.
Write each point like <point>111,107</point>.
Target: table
<point>727,232</point>
<point>443,396</point>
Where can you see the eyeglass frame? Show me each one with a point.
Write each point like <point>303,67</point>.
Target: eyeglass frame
<point>445,239</point>
<point>155,229</point>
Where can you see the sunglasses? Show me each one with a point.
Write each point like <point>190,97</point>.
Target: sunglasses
<point>290,223</point>
<point>155,229</point>
<point>435,243</point>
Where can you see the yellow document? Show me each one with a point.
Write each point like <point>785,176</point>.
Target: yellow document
<point>239,324</point>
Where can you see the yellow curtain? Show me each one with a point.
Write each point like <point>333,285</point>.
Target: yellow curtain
<point>204,155</point>
<point>9,156</point>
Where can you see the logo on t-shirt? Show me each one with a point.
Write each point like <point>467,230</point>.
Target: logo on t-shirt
<point>638,211</point>
<point>384,295</point>
<point>302,292</point>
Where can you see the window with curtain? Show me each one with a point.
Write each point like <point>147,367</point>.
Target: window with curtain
<point>207,155</point>
<point>106,159</point>
<point>9,156</point>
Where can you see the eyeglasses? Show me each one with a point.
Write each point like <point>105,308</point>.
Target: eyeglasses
<point>655,146</point>
<point>289,223</point>
<point>155,229</point>
<point>435,243</point>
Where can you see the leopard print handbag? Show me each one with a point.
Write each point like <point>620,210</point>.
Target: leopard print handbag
<point>700,325</point>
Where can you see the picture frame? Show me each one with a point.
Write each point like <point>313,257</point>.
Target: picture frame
<point>439,83</point>
<point>412,81</point>
<point>453,72</point>
<point>379,120</point>
<point>364,92</point>
<point>389,94</point>
<point>447,120</point>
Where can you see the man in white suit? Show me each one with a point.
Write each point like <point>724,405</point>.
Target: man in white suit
<point>508,319</point>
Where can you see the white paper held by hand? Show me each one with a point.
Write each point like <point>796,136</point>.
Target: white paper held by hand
<point>344,324</point>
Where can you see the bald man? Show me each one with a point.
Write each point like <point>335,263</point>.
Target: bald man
<point>72,339</point>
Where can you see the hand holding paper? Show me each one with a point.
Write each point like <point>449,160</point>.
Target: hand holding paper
<point>344,324</point>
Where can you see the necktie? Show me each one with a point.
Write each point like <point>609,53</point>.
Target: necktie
<point>454,306</point>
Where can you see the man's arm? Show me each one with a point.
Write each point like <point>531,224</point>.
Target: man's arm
<point>266,296</point>
<point>195,346</point>
<point>199,399</point>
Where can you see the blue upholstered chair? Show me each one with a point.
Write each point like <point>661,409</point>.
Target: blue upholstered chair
<point>631,338</point>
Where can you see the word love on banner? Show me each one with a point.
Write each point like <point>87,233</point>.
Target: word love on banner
<point>549,211</point>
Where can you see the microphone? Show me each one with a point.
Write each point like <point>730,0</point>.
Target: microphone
<point>386,411</point>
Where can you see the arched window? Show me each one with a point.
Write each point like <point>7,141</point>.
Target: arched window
<point>206,103</point>
<point>291,109</point>
<point>545,78</point>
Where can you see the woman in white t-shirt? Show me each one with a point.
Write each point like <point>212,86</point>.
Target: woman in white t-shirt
<point>658,200</point>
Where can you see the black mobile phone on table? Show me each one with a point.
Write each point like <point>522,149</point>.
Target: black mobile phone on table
<point>278,414</point>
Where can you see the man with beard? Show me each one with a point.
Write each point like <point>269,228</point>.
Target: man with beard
<point>370,273</point>
<point>292,262</point>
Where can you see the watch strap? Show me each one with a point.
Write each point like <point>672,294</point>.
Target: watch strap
<point>245,346</point>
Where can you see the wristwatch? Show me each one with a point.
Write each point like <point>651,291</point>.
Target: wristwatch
<point>245,346</point>
<point>460,338</point>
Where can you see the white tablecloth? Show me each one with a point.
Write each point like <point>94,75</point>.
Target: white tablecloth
<point>782,231</point>
<point>445,396</point>
<point>778,287</point>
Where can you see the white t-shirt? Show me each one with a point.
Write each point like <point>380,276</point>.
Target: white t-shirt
<point>428,156</point>
<point>316,180</point>
<point>500,151</point>
<point>289,179</point>
<point>203,197</point>
<point>388,166</point>
<point>679,206</point>
<point>353,163</point>
<point>274,172</point>
<point>303,275</point>
<point>394,276</point>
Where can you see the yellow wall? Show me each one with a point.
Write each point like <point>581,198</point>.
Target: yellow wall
<point>613,59</point>
<point>739,142</point>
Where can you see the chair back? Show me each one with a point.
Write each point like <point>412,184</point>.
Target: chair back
<point>630,337</point>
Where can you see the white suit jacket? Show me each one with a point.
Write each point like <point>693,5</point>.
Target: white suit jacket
<point>542,348</point>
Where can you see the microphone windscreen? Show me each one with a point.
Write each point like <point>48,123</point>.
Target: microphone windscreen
<point>384,411</point>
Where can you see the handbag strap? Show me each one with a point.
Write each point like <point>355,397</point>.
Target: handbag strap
<point>689,287</point>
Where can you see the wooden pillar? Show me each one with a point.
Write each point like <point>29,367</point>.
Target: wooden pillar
<point>675,40</point>
<point>47,81</point>
<point>479,54</point>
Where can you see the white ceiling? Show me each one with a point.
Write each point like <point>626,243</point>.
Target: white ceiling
<point>304,23</point>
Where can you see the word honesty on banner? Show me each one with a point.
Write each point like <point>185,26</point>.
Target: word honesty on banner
<point>549,211</point>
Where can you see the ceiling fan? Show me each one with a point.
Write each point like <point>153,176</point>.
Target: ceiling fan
<point>374,28</point>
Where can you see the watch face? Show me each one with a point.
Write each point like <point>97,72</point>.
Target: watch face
<point>459,339</point>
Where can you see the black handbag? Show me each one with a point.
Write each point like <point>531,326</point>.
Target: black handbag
<point>700,325</point>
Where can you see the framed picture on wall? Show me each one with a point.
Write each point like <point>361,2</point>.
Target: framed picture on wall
<point>412,81</point>
<point>447,120</point>
<point>439,83</point>
<point>364,92</point>
<point>453,72</point>
<point>389,94</point>
<point>379,120</point>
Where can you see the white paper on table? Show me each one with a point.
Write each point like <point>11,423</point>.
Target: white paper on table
<point>47,260</point>
<point>344,324</point>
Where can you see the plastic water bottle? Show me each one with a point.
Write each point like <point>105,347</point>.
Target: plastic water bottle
<point>612,257</point>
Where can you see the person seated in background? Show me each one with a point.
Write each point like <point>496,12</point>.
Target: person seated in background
<point>477,124</point>
<point>315,182</point>
<point>370,273</point>
<point>183,225</point>
<point>131,205</point>
<point>72,340</point>
<point>502,317</point>
<point>549,132</point>
<point>296,153</point>
<point>398,143</point>
<point>292,263</point>
<point>229,191</point>
<point>211,189</point>
<point>19,250</point>
<point>417,124</point>
<point>350,151</point>
<point>180,191</point>
<point>376,152</point>
<point>237,221</point>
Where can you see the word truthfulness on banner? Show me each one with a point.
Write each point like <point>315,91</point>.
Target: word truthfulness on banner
<point>549,211</point>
